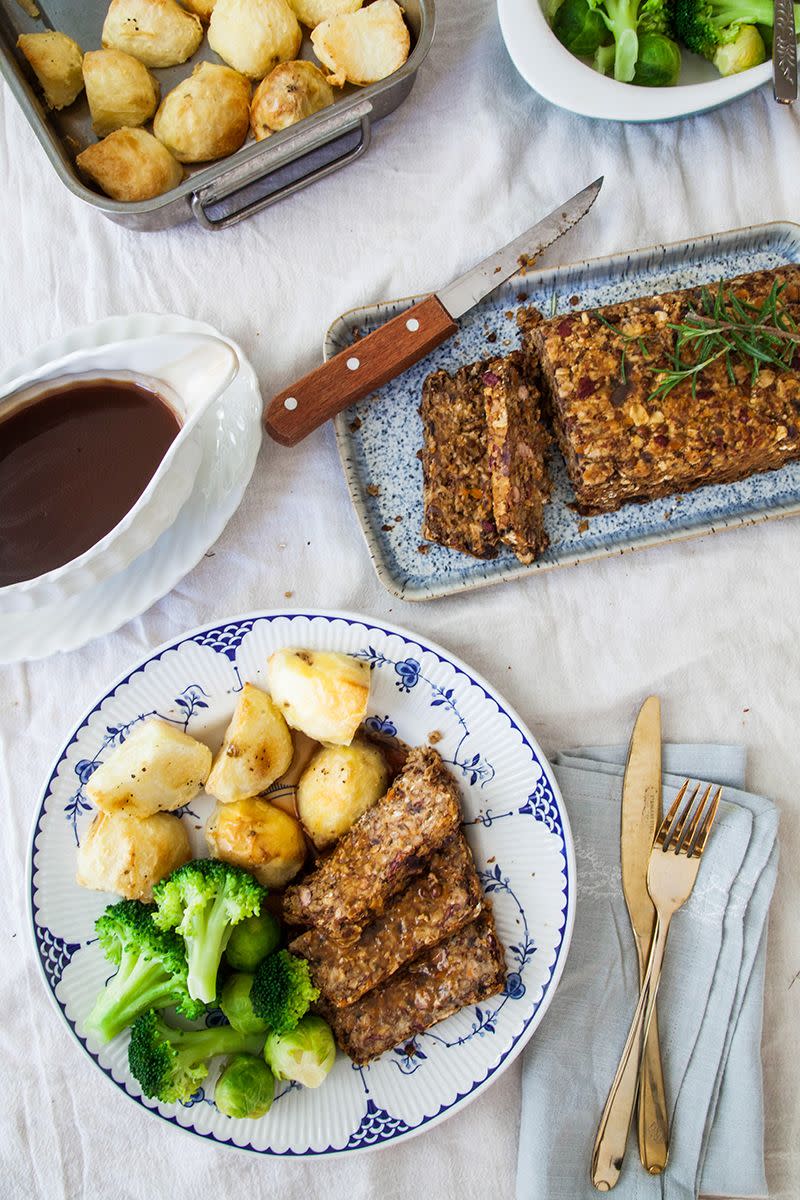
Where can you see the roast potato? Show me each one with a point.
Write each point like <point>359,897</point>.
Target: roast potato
<point>313,12</point>
<point>121,91</point>
<point>206,116</point>
<point>56,62</point>
<point>127,855</point>
<point>339,784</point>
<point>292,91</point>
<point>364,46</point>
<point>253,36</point>
<point>156,769</point>
<point>256,749</point>
<point>203,8</point>
<point>321,692</point>
<point>256,835</point>
<point>130,164</point>
<point>158,32</point>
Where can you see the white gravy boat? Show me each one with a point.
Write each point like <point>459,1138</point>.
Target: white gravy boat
<point>189,371</point>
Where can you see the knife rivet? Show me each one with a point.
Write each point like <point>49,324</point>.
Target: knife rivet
<point>291,403</point>
<point>412,325</point>
<point>353,364</point>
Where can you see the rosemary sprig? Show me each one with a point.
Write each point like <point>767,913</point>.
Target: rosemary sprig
<point>723,327</point>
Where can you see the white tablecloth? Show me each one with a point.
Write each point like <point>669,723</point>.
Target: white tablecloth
<point>713,625</point>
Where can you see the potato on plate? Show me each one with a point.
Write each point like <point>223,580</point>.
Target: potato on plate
<point>292,91</point>
<point>158,32</point>
<point>321,692</point>
<point>364,46</point>
<point>314,12</point>
<point>256,835</point>
<point>337,787</point>
<point>56,62</point>
<point>256,750</point>
<point>130,164</point>
<point>156,769</point>
<point>253,36</point>
<point>206,116</point>
<point>127,855</point>
<point>121,91</point>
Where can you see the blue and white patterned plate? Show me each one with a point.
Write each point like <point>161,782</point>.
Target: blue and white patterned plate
<point>514,819</point>
<point>379,438</point>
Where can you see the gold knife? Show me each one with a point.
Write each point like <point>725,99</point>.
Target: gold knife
<point>640,818</point>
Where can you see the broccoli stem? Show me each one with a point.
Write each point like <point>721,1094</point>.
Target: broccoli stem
<point>205,946</point>
<point>747,12</point>
<point>194,1046</point>
<point>621,18</point>
<point>139,984</point>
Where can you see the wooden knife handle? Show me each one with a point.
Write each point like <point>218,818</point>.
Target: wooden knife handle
<point>357,371</point>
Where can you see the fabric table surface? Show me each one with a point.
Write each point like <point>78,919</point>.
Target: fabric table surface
<point>712,626</point>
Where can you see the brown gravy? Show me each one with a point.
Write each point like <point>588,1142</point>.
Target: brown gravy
<point>73,462</point>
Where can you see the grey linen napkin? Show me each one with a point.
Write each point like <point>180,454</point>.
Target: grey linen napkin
<point>709,1003</point>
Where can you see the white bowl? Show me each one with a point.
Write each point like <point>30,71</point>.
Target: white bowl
<point>565,80</point>
<point>189,370</point>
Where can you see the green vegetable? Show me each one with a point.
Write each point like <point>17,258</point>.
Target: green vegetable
<point>306,1054</point>
<point>621,18</point>
<point>251,940</point>
<point>282,991</point>
<point>237,1006</point>
<point>203,900</point>
<point>659,61</point>
<point>746,50</point>
<point>580,28</point>
<point>246,1087</point>
<point>705,25</point>
<point>151,969</point>
<point>604,59</point>
<point>170,1064</point>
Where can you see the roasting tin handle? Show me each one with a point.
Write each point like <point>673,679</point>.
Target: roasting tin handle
<point>359,118</point>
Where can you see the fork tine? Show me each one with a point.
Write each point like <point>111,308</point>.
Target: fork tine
<point>698,813</point>
<point>697,847</point>
<point>677,834</point>
<point>664,827</point>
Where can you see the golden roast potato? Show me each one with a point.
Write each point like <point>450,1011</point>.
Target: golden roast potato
<point>206,116</point>
<point>256,835</point>
<point>253,36</point>
<point>127,855</point>
<point>156,769</point>
<point>313,12</point>
<point>158,32</point>
<point>130,164</point>
<point>337,787</point>
<point>292,91</point>
<point>321,692</point>
<point>121,91</point>
<point>203,8</point>
<point>364,46</point>
<point>56,62</point>
<point>256,750</point>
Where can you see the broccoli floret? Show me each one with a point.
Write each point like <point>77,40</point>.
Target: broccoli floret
<point>151,969</point>
<point>282,991</point>
<point>170,1064</point>
<point>202,901</point>
<point>655,16</point>
<point>705,25</point>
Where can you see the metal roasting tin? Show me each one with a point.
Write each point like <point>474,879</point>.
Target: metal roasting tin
<point>220,193</point>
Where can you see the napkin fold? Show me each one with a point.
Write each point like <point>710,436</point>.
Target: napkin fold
<point>709,1002</point>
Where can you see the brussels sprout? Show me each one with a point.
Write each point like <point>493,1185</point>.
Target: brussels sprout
<point>235,1002</point>
<point>579,28</point>
<point>251,940</point>
<point>305,1055</point>
<point>746,50</point>
<point>246,1087</point>
<point>659,61</point>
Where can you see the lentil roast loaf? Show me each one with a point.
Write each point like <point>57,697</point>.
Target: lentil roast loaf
<point>467,967</point>
<point>388,846</point>
<point>620,441</point>
<point>483,459</point>
<point>433,906</point>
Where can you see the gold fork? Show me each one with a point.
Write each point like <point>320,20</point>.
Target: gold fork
<point>671,873</point>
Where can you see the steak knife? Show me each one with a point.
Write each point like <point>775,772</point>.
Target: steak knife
<point>405,339</point>
<point>641,816</point>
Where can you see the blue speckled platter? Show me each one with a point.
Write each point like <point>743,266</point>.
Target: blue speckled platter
<point>379,438</point>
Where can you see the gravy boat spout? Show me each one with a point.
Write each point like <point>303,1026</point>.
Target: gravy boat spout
<point>189,371</point>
